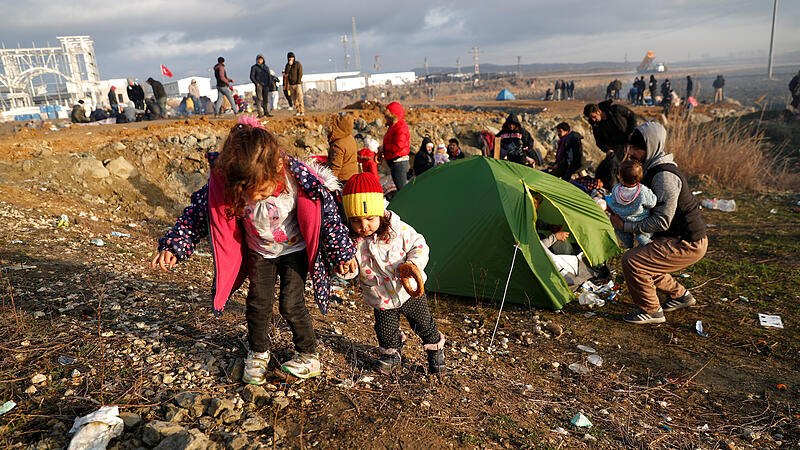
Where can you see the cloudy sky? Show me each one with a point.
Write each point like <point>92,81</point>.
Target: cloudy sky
<point>133,37</point>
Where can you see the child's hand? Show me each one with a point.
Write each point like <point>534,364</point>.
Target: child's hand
<point>164,259</point>
<point>348,267</point>
<point>562,235</point>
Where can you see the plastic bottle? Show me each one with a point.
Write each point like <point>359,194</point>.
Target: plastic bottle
<point>590,299</point>
<point>718,204</point>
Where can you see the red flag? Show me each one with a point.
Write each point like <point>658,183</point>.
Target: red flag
<point>165,71</point>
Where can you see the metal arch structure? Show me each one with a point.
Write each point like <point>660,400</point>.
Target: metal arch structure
<point>73,61</point>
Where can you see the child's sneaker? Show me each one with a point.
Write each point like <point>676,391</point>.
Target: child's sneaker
<point>436,361</point>
<point>255,368</point>
<point>388,362</point>
<point>303,365</point>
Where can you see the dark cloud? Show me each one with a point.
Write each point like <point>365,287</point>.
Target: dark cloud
<point>133,38</point>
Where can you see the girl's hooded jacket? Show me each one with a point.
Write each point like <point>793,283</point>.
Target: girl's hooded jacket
<point>397,140</point>
<point>326,237</point>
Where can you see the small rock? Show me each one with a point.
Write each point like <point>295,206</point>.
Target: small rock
<point>238,442</point>
<point>75,373</point>
<point>253,424</point>
<point>255,394</point>
<point>555,329</point>
<point>217,405</point>
<point>132,420</point>
<point>168,378</point>
<point>38,314</point>
<point>31,390</point>
<point>38,378</point>
<point>120,167</point>
<point>156,431</point>
<point>589,438</point>
<point>174,414</point>
<point>280,402</point>
<point>237,371</point>
<point>192,440</point>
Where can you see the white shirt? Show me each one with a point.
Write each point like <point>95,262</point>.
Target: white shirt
<point>271,227</point>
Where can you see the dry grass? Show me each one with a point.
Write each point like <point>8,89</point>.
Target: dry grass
<point>732,154</point>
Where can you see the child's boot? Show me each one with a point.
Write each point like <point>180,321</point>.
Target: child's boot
<point>255,368</point>
<point>391,359</point>
<point>436,356</point>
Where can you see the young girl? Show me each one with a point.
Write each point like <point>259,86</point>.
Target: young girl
<point>631,200</point>
<point>267,215</point>
<point>389,251</point>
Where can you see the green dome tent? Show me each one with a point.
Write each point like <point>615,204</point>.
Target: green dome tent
<point>505,94</point>
<point>474,210</point>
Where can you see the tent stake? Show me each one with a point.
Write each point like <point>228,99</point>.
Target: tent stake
<point>503,301</point>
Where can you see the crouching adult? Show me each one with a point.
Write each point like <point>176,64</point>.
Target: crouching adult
<point>677,224</point>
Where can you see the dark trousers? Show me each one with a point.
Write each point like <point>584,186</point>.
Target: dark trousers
<point>292,270</point>
<point>415,310</point>
<point>607,169</point>
<point>399,170</point>
<point>261,100</point>
<point>162,103</point>
<point>288,96</point>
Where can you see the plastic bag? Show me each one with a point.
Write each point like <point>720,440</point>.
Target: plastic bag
<point>95,430</point>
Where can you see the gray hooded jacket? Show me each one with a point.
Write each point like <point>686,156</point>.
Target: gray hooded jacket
<point>666,185</point>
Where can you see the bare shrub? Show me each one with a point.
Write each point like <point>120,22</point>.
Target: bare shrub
<point>731,153</point>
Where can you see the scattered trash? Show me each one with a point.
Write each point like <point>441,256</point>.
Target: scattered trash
<point>365,379</point>
<point>133,225</point>
<point>685,275</point>
<point>723,299</point>
<point>16,242</point>
<point>561,431</point>
<point>768,320</point>
<point>63,221</point>
<point>579,420</point>
<point>95,430</point>
<point>664,427</point>
<point>579,369</point>
<point>744,299</point>
<point>697,192</point>
<point>703,428</point>
<point>347,383</point>
<point>595,360</point>
<point>19,267</point>
<point>118,234</point>
<point>773,211</point>
<point>586,349</point>
<point>591,299</point>
<point>699,327</point>
<point>97,242</point>
<point>781,387</point>
<point>719,204</point>
<point>710,225</point>
<point>7,406</point>
<point>66,360</point>
<point>206,254</point>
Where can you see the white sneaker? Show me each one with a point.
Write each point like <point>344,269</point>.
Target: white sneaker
<point>255,368</point>
<point>303,365</point>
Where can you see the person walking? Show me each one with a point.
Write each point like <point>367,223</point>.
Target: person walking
<point>260,77</point>
<point>679,231</point>
<point>135,94</point>
<point>293,74</point>
<point>719,85</point>
<point>160,95</point>
<point>396,144</point>
<point>653,88</point>
<point>223,86</point>
<point>112,99</point>
<point>612,124</point>
<point>689,86</point>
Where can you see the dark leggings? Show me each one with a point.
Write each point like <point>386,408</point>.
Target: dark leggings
<point>292,270</point>
<point>387,323</point>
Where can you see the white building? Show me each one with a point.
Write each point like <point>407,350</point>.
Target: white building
<point>180,87</point>
<point>391,79</point>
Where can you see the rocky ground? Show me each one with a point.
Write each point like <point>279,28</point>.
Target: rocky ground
<point>86,323</point>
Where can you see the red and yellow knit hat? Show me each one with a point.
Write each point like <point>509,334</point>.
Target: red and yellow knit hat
<point>363,196</point>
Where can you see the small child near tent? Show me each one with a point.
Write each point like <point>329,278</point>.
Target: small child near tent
<point>368,157</point>
<point>632,201</point>
<point>268,216</point>
<point>440,155</point>
<point>391,258</point>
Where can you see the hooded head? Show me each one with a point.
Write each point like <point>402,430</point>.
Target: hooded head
<point>261,57</point>
<point>427,145</point>
<point>647,143</point>
<point>220,60</point>
<point>397,110</point>
<point>512,120</point>
<point>341,126</point>
<point>150,80</point>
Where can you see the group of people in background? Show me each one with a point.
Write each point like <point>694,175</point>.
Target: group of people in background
<point>562,90</point>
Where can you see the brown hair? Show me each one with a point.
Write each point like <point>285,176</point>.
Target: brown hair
<point>251,163</point>
<point>630,171</point>
<point>384,231</point>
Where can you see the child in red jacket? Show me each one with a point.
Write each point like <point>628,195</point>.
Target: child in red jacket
<point>396,143</point>
<point>368,157</point>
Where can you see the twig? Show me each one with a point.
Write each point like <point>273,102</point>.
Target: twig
<point>706,282</point>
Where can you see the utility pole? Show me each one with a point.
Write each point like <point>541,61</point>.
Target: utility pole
<point>772,39</point>
<point>426,67</point>
<point>519,66</point>
<point>377,63</point>
<point>458,65</point>
<point>355,46</point>
<point>346,55</point>
<point>475,51</point>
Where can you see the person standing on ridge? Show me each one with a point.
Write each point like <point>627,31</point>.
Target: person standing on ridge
<point>223,86</point>
<point>136,94</point>
<point>160,94</point>
<point>293,74</point>
<point>260,77</point>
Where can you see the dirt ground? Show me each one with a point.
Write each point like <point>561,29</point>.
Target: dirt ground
<point>138,338</point>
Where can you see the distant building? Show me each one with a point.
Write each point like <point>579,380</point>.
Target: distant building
<point>180,87</point>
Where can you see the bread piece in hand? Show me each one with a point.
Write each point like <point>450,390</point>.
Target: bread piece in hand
<point>406,272</point>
